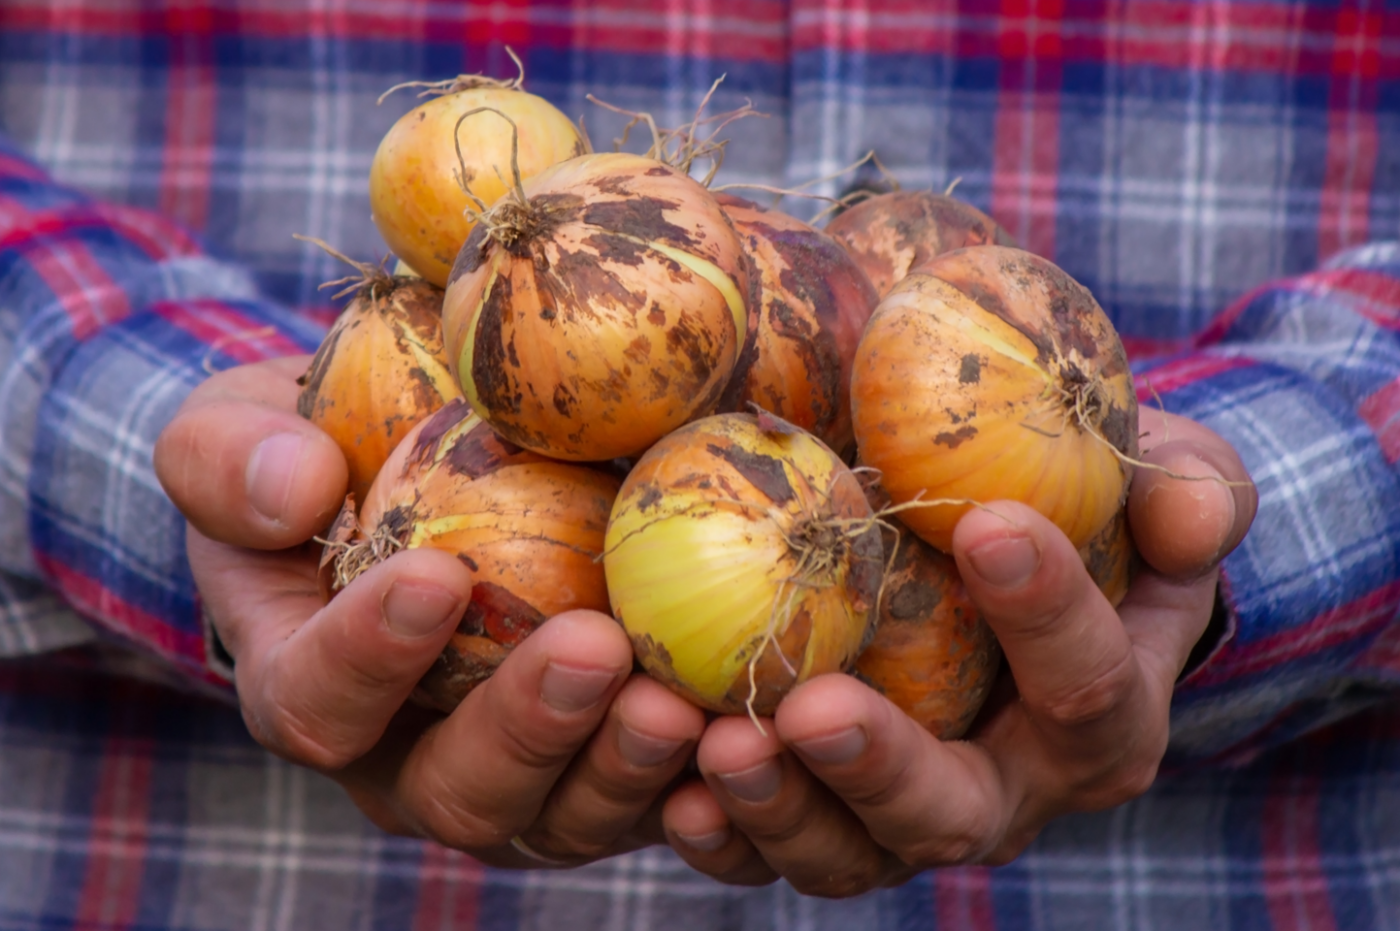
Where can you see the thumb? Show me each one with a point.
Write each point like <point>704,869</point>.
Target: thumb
<point>244,468</point>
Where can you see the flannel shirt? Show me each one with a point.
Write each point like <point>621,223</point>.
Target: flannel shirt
<point>1225,177</point>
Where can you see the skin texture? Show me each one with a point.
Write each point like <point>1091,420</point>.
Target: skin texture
<point>563,746</point>
<point>1080,724</point>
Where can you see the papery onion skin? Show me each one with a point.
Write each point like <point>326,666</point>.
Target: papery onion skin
<point>615,315</point>
<point>964,387</point>
<point>892,234</point>
<point>1112,559</point>
<point>415,199</point>
<point>933,655</point>
<point>812,303</point>
<point>700,568</point>
<point>530,529</point>
<point>380,369</point>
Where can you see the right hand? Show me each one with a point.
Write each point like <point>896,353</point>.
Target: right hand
<point>563,751</point>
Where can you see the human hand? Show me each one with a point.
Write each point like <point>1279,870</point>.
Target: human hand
<point>562,749</point>
<point>845,793</point>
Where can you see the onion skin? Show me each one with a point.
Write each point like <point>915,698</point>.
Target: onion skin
<point>892,234</point>
<point>812,302</point>
<point>615,314</point>
<point>380,370</point>
<point>964,387</point>
<point>933,655</point>
<point>417,204</point>
<point>700,569</point>
<point>1111,558</point>
<point>530,529</point>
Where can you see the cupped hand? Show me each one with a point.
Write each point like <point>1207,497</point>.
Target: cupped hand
<point>845,793</point>
<point>560,758</point>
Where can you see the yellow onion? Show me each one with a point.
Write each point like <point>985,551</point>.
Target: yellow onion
<point>742,559</point>
<point>811,302</point>
<point>421,209</point>
<point>991,374</point>
<point>892,234</point>
<point>530,529</point>
<point>932,655</point>
<point>379,371</point>
<point>598,309</point>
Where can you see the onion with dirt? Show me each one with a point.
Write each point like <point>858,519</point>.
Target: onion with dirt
<point>379,370</point>
<point>892,234</point>
<point>742,559</point>
<point>991,374</point>
<point>811,302</point>
<point>597,308</point>
<point>530,529</point>
<point>436,164</point>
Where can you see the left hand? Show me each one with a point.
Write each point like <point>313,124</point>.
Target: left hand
<point>846,793</point>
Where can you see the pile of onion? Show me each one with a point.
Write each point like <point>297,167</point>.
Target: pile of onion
<point>597,308</point>
<point>811,302</point>
<point>530,529</point>
<point>742,559</point>
<point>430,170</point>
<point>892,234</point>
<point>991,374</point>
<point>379,371</point>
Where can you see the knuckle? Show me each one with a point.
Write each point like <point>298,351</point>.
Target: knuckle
<point>966,840</point>
<point>303,741</point>
<point>448,820</point>
<point>1123,783</point>
<point>1092,700</point>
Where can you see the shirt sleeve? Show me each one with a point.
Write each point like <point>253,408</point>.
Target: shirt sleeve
<point>1303,377</point>
<point>109,316</point>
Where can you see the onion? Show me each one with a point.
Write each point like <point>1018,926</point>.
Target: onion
<point>742,559</point>
<point>530,529</point>
<point>598,308</point>
<point>811,302</point>
<point>932,655</point>
<point>416,198</point>
<point>1111,558</point>
<point>892,234</point>
<point>379,370</point>
<point>991,374</point>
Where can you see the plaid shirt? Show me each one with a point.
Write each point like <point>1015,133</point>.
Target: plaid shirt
<point>1179,159</point>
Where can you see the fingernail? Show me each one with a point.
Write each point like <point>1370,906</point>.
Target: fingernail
<point>568,688</point>
<point>707,843</point>
<point>269,474</point>
<point>643,751</point>
<point>835,749</point>
<point>755,784</point>
<point>412,609</point>
<point>1006,561</point>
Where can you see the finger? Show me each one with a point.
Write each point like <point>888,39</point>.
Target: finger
<point>1194,502</point>
<point>247,471</point>
<point>699,831</point>
<point>644,743</point>
<point>1071,658</point>
<point>930,803</point>
<point>803,831</point>
<point>321,692</point>
<point>482,776</point>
